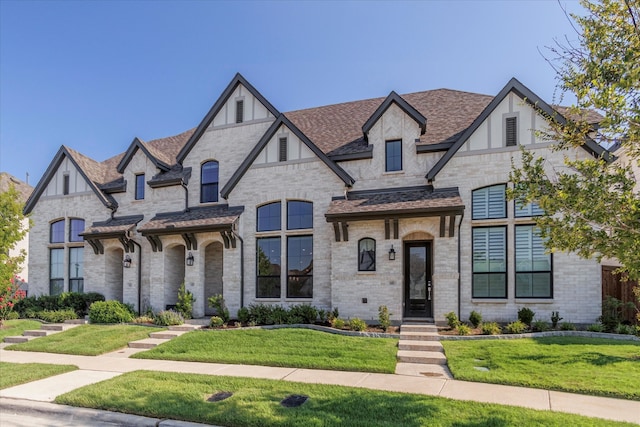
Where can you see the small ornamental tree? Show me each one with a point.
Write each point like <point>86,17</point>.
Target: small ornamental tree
<point>12,231</point>
<point>9,294</point>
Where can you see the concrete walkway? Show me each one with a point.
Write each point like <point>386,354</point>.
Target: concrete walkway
<point>98,368</point>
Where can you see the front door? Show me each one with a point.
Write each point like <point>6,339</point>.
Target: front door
<point>418,291</point>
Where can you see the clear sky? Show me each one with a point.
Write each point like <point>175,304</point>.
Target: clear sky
<point>93,75</point>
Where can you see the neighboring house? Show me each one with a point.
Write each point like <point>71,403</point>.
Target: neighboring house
<point>396,201</point>
<point>24,190</point>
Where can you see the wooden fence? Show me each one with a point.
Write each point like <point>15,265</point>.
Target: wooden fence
<point>613,285</point>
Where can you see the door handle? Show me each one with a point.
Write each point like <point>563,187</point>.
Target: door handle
<point>429,290</point>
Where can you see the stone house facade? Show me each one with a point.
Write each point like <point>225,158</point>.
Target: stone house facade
<point>396,201</point>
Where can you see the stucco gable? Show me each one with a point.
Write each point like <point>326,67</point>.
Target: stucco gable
<point>156,157</point>
<point>396,99</point>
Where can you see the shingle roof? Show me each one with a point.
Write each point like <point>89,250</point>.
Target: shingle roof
<point>395,201</point>
<point>199,218</point>
<point>23,188</point>
<point>112,226</point>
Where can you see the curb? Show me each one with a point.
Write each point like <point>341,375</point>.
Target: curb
<point>71,414</point>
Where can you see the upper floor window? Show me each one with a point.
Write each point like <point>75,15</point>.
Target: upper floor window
<point>239,111</point>
<point>393,156</point>
<point>299,215</point>
<point>57,232</point>
<point>139,186</point>
<point>489,202</point>
<point>77,227</point>
<point>65,184</point>
<point>269,217</point>
<point>531,209</point>
<point>367,254</point>
<point>489,262</point>
<point>511,131</point>
<point>209,182</point>
<point>533,266</point>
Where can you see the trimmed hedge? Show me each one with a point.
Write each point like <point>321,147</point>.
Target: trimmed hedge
<point>110,312</point>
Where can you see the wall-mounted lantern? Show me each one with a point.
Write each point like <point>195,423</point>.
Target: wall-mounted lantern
<point>190,259</point>
<point>392,254</point>
<point>126,262</point>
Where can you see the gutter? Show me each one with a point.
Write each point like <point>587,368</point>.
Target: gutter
<point>459,269</point>
<point>186,195</point>
<point>139,275</point>
<point>241,268</point>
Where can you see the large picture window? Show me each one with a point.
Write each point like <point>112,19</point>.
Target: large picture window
<point>489,202</point>
<point>209,182</point>
<point>269,267</point>
<point>533,265</point>
<point>393,156</point>
<point>269,217</point>
<point>300,266</point>
<point>299,215</point>
<point>56,271</point>
<point>367,254</point>
<point>490,262</point>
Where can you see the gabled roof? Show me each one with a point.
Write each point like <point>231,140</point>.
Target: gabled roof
<point>527,95</point>
<point>394,98</point>
<point>204,218</point>
<point>24,189</point>
<point>215,109</point>
<point>248,161</point>
<point>92,171</point>
<point>157,157</point>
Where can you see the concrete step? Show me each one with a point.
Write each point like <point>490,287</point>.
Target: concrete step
<point>420,345</point>
<point>17,339</point>
<point>419,336</point>
<point>421,370</point>
<point>53,327</point>
<point>75,322</point>
<point>166,335</point>
<point>185,327</point>
<point>424,357</point>
<point>35,333</point>
<point>147,343</point>
<point>418,328</point>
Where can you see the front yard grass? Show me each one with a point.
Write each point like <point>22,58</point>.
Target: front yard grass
<point>19,373</point>
<point>87,340</point>
<point>256,402</point>
<point>295,348</point>
<point>17,327</point>
<point>601,367</point>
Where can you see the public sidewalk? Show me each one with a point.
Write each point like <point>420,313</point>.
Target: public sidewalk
<point>97,368</point>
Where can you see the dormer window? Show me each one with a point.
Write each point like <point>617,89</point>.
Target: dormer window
<point>139,186</point>
<point>209,182</point>
<point>511,131</point>
<point>239,111</point>
<point>393,156</point>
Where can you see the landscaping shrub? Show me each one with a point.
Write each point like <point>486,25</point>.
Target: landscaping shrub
<point>303,313</point>
<point>110,312</point>
<point>540,326</point>
<point>217,302</point>
<point>337,323</point>
<point>491,328</point>
<point>12,315</point>
<point>567,326</point>
<point>595,327</point>
<point>322,316</point>
<point>333,314</point>
<point>357,324</point>
<point>243,315</point>
<point>384,317</point>
<point>57,316</point>
<point>624,329</point>
<point>613,313</point>
<point>185,302</point>
<point>452,320</point>
<point>475,318</point>
<point>143,319</point>
<point>463,329</point>
<point>216,322</point>
<point>555,318</point>
<point>78,302</point>
<point>525,315</point>
<point>168,318</point>
<point>517,327</point>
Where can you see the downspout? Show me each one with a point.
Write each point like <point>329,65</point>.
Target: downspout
<point>459,269</point>
<point>186,195</point>
<point>241,268</point>
<point>139,275</point>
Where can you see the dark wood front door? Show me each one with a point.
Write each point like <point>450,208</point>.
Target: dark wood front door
<point>418,291</point>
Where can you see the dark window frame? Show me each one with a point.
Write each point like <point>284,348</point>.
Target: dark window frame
<point>292,278</point>
<point>139,187</point>
<point>283,149</point>
<point>76,283</point>
<point>487,187</point>
<point>267,277</point>
<point>532,272</point>
<point>392,143</point>
<point>56,284</point>
<point>517,213</point>
<point>489,273</point>
<point>511,131</point>
<point>65,184</point>
<point>239,111</point>
<point>210,187</point>
<point>59,233</point>
<point>361,255</point>
<point>267,208</point>
<point>290,216</point>
<point>75,237</point>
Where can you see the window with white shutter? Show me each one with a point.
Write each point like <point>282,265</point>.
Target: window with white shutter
<point>534,276</point>
<point>489,262</point>
<point>489,202</point>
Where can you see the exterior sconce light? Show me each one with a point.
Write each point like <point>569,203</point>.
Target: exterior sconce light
<point>392,254</point>
<point>190,259</point>
<point>126,262</point>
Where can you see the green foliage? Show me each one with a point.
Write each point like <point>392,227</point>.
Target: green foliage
<point>217,302</point>
<point>334,314</point>
<point>384,317</point>
<point>357,324</point>
<point>337,323</point>
<point>625,329</point>
<point>185,302</point>
<point>13,315</point>
<point>567,326</point>
<point>555,318</point>
<point>243,315</point>
<point>475,318</point>
<point>525,315</point>
<point>9,296</point>
<point>595,327</point>
<point>591,206</point>
<point>463,329</point>
<point>491,328</point>
<point>168,318</point>
<point>78,302</point>
<point>110,312</point>
<point>517,327</point>
<point>144,319</point>
<point>452,320</point>
<point>11,232</point>
<point>57,316</point>
<point>613,312</point>
<point>303,313</point>
<point>540,326</point>
<point>322,316</point>
<point>216,322</point>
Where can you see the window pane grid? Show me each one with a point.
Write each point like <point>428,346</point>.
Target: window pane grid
<point>489,262</point>
<point>76,227</point>
<point>57,232</point>
<point>533,265</point>
<point>299,215</point>
<point>489,202</point>
<point>269,217</point>
<point>393,152</point>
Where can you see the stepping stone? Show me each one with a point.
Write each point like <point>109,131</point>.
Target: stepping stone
<point>420,345</point>
<point>185,328</point>
<point>35,333</point>
<point>423,357</point>
<point>147,343</point>
<point>166,335</point>
<point>16,340</point>
<point>53,327</point>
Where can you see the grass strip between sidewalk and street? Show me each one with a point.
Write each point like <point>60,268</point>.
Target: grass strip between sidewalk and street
<point>294,348</point>
<point>12,328</point>
<point>87,340</point>
<point>600,367</point>
<point>12,374</point>
<point>256,402</point>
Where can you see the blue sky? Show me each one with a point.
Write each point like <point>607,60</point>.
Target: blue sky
<point>93,75</point>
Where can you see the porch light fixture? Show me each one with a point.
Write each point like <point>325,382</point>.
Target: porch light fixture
<point>126,262</point>
<point>392,254</point>
<point>190,259</point>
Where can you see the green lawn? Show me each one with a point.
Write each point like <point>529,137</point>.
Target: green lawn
<point>17,327</point>
<point>19,373</point>
<point>296,348</point>
<point>87,340</point>
<point>256,402</point>
<point>580,365</point>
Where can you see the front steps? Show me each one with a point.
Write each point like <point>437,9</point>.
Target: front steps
<point>157,338</point>
<point>420,352</point>
<point>45,330</point>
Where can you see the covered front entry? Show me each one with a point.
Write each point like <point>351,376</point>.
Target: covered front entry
<point>418,289</point>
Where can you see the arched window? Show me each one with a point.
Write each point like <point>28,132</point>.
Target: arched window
<point>209,182</point>
<point>269,217</point>
<point>76,227</point>
<point>366,254</point>
<point>57,232</point>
